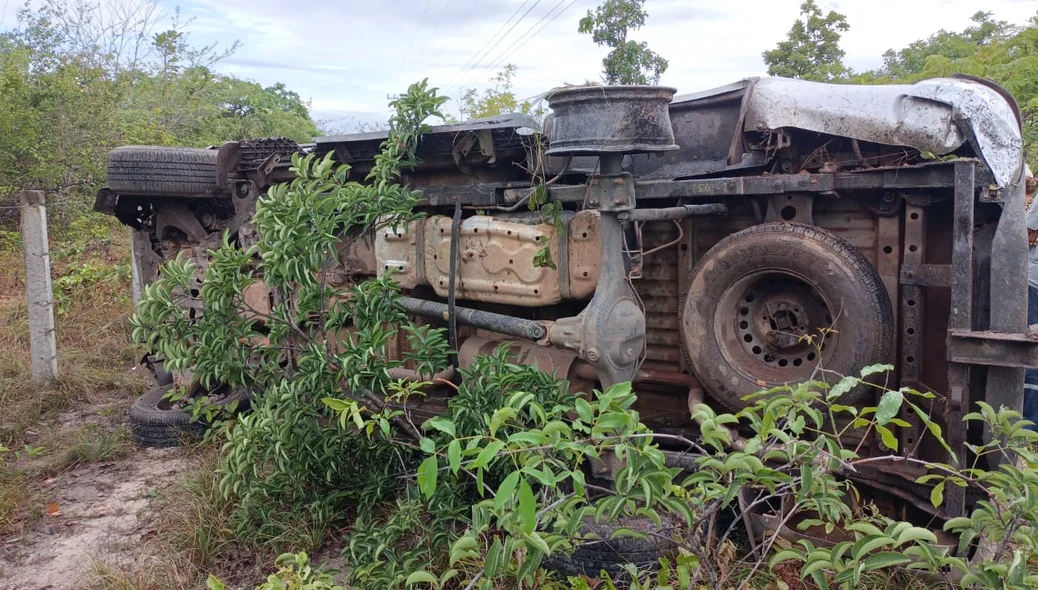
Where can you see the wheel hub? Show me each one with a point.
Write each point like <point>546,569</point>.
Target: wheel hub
<point>780,320</point>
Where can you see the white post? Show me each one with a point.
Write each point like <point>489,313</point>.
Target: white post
<point>42,344</point>
<point>135,273</point>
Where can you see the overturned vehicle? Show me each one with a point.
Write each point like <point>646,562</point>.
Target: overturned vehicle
<point>702,238</point>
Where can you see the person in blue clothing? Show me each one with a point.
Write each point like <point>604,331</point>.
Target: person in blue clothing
<point>1031,375</point>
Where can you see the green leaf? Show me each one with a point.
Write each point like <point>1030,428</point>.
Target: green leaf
<point>454,455</point>
<point>537,542</point>
<point>611,421</point>
<point>487,454</point>
<point>785,555</point>
<point>916,534</point>
<point>440,423</point>
<point>868,544</point>
<point>873,369</point>
<point>842,386</point>
<point>420,577</point>
<point>492,563</point>
<point>465,547</point>
<point>506,490</point>
<point>584,410</point>
<point>336,404</point>
<point>884,560</point>
<point>889,406</point>
<point>959,522</point>
<point>427,472</point>
<point>527,437</point>
<point>937,495</point>
<point>527,507</point>
<point>427,445</point>
<point>887,437</point>
<point>820,580</point>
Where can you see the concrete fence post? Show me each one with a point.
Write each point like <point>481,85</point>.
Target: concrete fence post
<point>42,343</point>
<point>135,273</point>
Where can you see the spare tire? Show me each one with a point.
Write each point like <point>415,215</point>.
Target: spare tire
<point>151,170</point>
<point>156,422</point>
<point>768,304</point>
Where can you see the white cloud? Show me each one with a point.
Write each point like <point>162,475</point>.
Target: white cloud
<point>349,56</point>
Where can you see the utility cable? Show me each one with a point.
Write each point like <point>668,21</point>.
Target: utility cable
<point>431,35</point>
<point>522,41</point>
<point>410,45</point>
<point>497,42</point>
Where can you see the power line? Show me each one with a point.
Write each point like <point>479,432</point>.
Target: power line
<point>520,41</point>
<point>461,23</point>
<point>483,51</point>
<point>410,45</point>
<point>523,39</point>
<point>464,20</point>
<point>503,37</point>
<point>432,35</point>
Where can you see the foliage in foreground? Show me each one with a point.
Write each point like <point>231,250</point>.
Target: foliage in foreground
<point>496,491</point>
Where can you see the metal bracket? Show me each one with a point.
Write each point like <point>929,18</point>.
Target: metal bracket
<point>791,208</point>
<point>926,275</point>
<point>612,192</point>
<point>993,349</point>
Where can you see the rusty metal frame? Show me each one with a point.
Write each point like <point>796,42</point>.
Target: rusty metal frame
<point>911,313</point>
<point>960,318</point>
<point>939,175</point>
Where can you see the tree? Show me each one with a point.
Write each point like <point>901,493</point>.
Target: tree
<point>496,100</point>
<point>811,50</point>
<point>629,62</point>
<point>81,77</point>
<point>987,48</point>
<point>911,60</point>
<point>954,46</point>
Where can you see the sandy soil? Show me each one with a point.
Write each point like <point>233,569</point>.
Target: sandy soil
<point>102,515</point>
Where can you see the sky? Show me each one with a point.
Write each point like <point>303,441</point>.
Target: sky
<point>347,57</point>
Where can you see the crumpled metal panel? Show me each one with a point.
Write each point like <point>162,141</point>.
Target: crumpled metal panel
<point>992,125</point>
<point>495,260</point>
<point>936,116</point>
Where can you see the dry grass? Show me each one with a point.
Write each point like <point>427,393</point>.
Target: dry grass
<point>153,573</point>
<point>96,356</point>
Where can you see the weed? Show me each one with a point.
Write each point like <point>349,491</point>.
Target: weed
<point>193,515</point>
<point>14,495</point>
<point>93,443</point>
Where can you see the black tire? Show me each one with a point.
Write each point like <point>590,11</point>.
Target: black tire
<point>610,554</point>
<point>758,291</point>
<point>150,170</point>
<point>154,422</point>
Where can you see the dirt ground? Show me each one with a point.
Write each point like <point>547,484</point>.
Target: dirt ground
<point>95,513</point>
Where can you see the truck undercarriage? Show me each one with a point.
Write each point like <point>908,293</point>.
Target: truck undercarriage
<point>706,247</point>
